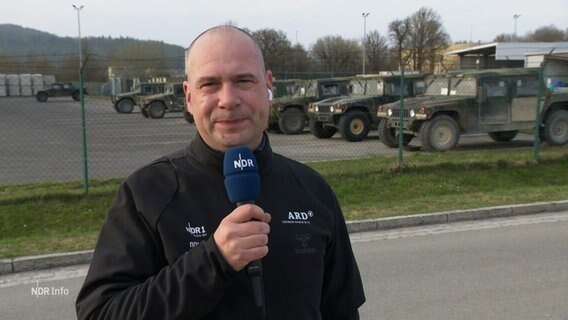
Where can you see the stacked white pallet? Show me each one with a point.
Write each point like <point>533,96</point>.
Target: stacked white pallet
<point>48,79</point>
<point>13,83</point>
<point>3,89</point>
<point>37,82</point>
<point>26,85</point>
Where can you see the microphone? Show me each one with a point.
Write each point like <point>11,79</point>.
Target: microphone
<point>242,182</point>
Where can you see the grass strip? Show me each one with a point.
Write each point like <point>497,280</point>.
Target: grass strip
<point>57,217</point>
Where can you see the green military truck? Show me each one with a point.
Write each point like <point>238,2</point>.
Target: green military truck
<point>354,115</point>
<point>285,87</point>
<point>59,89</point>
<point>172,100</point>
<point>498,102</point>
<point>288,113</point>
<point>125,102</point>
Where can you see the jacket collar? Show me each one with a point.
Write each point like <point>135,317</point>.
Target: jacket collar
<point>211,161</point>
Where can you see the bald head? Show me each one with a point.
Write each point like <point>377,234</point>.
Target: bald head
<point>222,33</point>
<point>227,90</point>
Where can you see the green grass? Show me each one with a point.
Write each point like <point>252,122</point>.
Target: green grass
<point>54,217</point>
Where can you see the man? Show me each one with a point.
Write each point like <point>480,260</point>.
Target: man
<point>174,247</point>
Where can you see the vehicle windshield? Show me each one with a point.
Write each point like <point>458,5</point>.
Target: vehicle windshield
<point>306,88</point>
<point>455,86</point>
<point>374,87</point>
<point>393,89</point>
<point>357,87</point>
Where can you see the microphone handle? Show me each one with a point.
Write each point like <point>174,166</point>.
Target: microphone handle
<point>254,271</point>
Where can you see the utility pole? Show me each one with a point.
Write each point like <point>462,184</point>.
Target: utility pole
<point>364,15</point>
<point>82,100</point>
<point>516,17</point>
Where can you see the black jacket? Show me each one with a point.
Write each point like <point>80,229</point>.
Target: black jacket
<point>156,259</point>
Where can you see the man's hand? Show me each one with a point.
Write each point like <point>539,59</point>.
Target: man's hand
<point>242,236</point>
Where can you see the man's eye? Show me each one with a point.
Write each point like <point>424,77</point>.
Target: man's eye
<point>208,86</point>
<point>245,83</point>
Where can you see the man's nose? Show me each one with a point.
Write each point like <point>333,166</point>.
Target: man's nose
<point>229,97</point>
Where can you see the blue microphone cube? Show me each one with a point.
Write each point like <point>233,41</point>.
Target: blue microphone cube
<point>242,179</point>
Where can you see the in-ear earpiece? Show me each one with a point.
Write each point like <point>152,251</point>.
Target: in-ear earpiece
<point>270,96</point>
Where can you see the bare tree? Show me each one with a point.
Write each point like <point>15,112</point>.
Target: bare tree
<point>142,59</point>
<point>274,45</point>
<point>376,49</point>
<point>546,34</point>
<point>505,37</point>
<point>298,61</point>
<point>399,34</point>
<point>335,54</point>
<point>427,37</point>
<point>9,64</point>
<point>39,64</point>
<point>280,56</point>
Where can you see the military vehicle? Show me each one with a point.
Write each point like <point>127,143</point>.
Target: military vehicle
<point>355,114</point>
<point>172,100</point>
<point>125,102</point>
<point>60,90</point>
<point>498,102</point>
<point>288,113</point>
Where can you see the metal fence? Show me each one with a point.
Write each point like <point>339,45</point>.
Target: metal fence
<point>44,141</point>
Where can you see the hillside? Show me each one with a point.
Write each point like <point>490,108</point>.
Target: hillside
<point>23,47</point>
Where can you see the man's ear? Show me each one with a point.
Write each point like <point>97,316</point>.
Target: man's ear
<point>187,95</point>
<point>269,86</point>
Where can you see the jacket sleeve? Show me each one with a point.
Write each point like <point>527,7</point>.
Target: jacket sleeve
<point>129,277</point>
<point>343,290</point>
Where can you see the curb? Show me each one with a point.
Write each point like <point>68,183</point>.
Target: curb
<point>455,216</point>
<point>41,262</point>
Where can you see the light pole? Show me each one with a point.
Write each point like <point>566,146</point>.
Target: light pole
<point>82,100</point>
<point>515,16</point>
<point>364,15</point>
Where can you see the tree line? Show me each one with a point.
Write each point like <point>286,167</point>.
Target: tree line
<point>415,43</point>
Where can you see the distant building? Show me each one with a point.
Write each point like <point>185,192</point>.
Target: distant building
<point>534,59</point>
<point>502,54</point>
<point>452,62</point>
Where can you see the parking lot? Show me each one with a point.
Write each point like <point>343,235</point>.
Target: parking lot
<point>43,141</point>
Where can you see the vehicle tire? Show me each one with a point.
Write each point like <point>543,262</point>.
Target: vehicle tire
<point>292,121</point>
<point>439,134</point>
<point>188,117</point>
<point>388,136</point>
<point>41,97</point>
<point>354,126</point>
<point>125,106</point>
<point>320,131</point>
<point>156,110</point>
<point>144,113</point>
<point>556,128</point>
<point>503,136</point>
<point>76,96</point>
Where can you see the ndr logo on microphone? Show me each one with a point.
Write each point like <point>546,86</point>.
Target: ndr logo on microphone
<point>243,163</point>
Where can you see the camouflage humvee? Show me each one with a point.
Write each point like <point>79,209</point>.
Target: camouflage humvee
<point>125,102</point>
<point>499,102</point>
<point>354,115</point>
<point>288,113</point>
<point>285,87</point>
<point>60,90</point>
<point>172,100</point>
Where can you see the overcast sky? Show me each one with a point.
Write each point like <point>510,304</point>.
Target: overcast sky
<point>304,21</point>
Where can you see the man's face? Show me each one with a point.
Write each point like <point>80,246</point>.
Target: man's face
<point>227,91</point>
